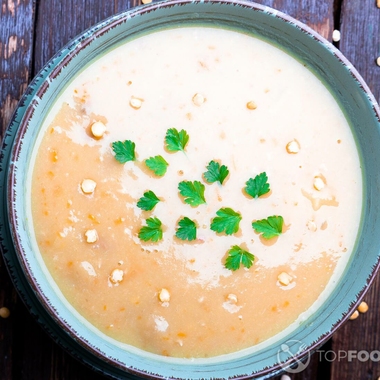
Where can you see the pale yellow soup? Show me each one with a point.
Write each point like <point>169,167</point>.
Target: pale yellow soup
<point>244,104</point>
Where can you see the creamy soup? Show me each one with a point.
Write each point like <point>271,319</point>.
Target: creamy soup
<point>195,192</point>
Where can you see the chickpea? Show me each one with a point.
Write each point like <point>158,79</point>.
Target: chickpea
<point>98,129</point>
<point>293,147</point>
<point>354,315</point>
<point>198,99</point>
<point>251,105</point>
<point>164,295</point>
<point>88,186</point>
<point>318,183</point>
<point>4,312</point>
<point>135,103</point>
<point>363,307</point>
<point>91,236</point>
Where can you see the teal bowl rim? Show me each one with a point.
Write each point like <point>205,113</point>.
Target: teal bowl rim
<point>11,168</point>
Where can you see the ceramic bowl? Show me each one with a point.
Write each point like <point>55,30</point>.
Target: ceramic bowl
<point>27,268</point>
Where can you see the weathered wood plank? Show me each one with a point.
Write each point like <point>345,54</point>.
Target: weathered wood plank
<point>38,357</point>
<point>16,43</point>
<point>360,39</point>
<point>358,343</point>
<point>318,15</point>
<point>60,21</point>
<point>360,43</point>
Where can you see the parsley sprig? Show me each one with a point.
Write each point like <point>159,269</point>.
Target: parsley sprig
<point>258,186</point>
<point>216,172</point>
<point>187,229</point>
<point>237,256</point>
<point>269,227</point>
<point>227,221</point>
<point>157,164</point>
<point>152,231</point>
<point>148,201</point>
<point>192,192</point>
<point>124,151</point>
<point>176,141</point>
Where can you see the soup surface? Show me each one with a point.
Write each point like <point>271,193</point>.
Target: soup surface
<point>195,191</point>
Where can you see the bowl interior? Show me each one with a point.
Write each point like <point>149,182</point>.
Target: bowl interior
<point>320,57</point>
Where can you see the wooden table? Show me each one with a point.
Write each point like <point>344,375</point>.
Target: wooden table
<point>31,31</point>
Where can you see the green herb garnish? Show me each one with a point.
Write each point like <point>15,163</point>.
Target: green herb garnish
<point>187,229</point>
<point>257,186</point>
<point>152,231</point>
<point>157,164</point>
<point>176,141</point>
<point>124,151</point>
<point>148,201</point>
<point>193,192</point>
<point>216,172</point>
<point>227,221</point>
<point>237,256</point>
<point>269,227</point>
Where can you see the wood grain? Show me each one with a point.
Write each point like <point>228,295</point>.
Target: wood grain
<point>360,43</point>
<point>318,15</point>
<point>67,21</point>
<point>16,46</point>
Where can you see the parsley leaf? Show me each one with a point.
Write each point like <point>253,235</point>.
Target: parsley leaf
<point>124,151</point>
<point>193,192</point>
<point>269,227</point>
<point>257,186</point>
<point>175,140</point>
<point>152,231</point>
<point>215,172</point>
<point>148,201</point>
<point>187,229</point>
<point>237,256</point>
<point>227,220</point>
<point>157,164</point>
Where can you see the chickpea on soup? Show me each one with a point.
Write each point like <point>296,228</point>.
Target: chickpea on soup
<point>195,192</point>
